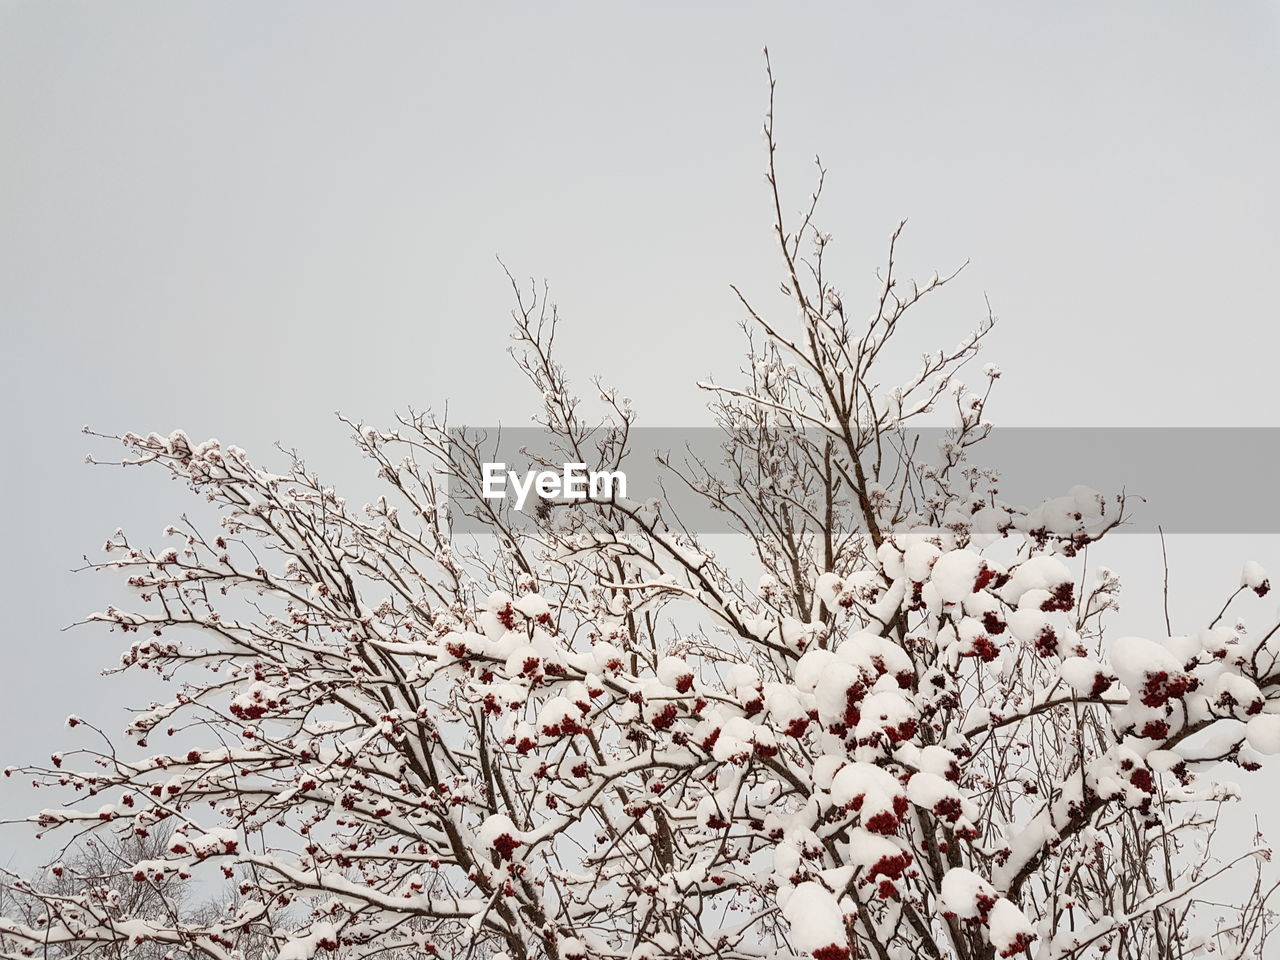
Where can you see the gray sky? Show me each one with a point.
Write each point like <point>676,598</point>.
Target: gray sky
<point>239,217</point>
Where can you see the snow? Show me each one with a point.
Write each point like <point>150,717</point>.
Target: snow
<point>524,659</point>
<point>215,841</point>
<point>885,710</point>
<point>1255,578</point>
<point>866,849</point>
<point>1135,658</point>
<point>890,560</point>
<point>1028,624</point>
<point>1036,573</point>
<point>1263,733</point>
<point>1162,761</point>
<point>605,653</point>
<point>1082,512</point>
<point>926,790</point>
<point>673,670</point>
<point>559,715</point>
<point>797,634</point>
<point>937,760</point>
<point>877,786</point>
<point>304,948</point>
<point>489,836</point>
<point>988,523</point>
<point>919,559</point>
<point>872,652</point>
<point>784,705</point>
<point>962,890</point>
<point>825,769</point>
<point>955,573</point>
<point>743,680</point>
<point>827,589</point>
<point>810,668</point>
<point>1232,689</point>
<point>1223,736</point>
<point>532,605</point>
<point>1009,928</point>
<point>1080,674</point>
<point>815,918</point>
<point>833,686</point>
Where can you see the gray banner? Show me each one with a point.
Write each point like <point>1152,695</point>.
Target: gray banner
<point>1184,480</point>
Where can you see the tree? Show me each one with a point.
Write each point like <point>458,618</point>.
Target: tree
<point>588,736</point>
<point>101,873</point>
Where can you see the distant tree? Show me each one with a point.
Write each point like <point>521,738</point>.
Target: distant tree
<point>586,736</point>
<point>105,876</point>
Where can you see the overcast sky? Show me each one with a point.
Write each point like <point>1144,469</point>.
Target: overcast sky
<point>236,218</point>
